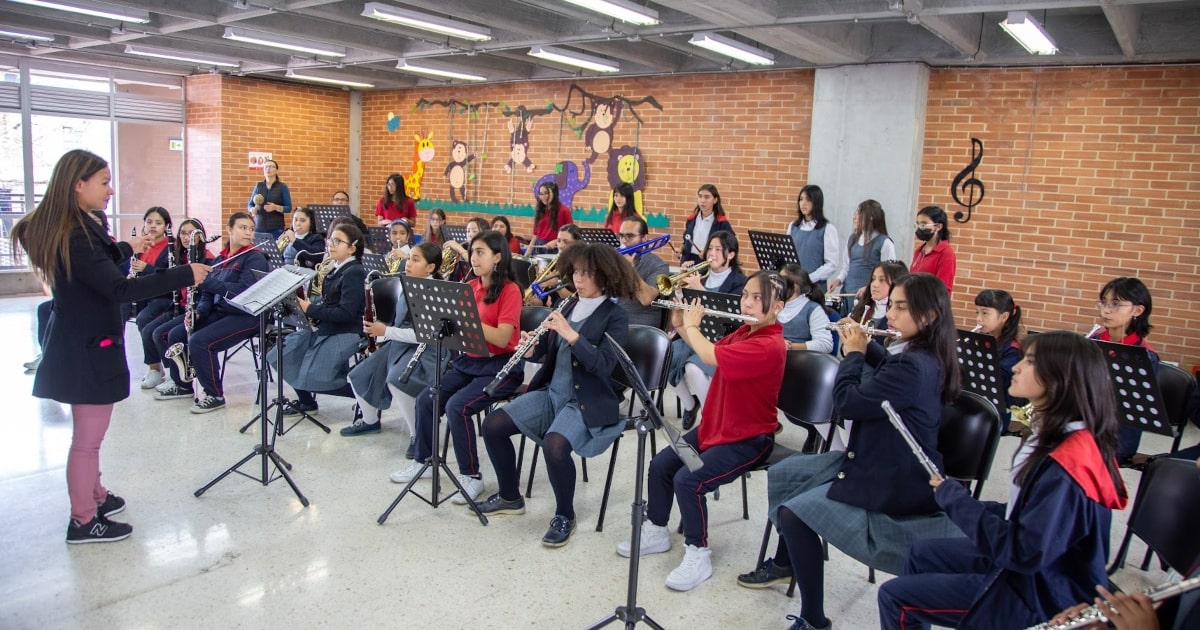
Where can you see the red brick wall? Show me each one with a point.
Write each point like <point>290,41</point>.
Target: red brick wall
<point>202,148</point>
<point>1091,173</point>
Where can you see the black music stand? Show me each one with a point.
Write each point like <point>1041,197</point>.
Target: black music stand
<point>603,236</point>
<point>274,256</point>
<point>378,238</point>
<point>649,420</point>
<point>374,262</point>
<point>1139,401</point>
<point>773,251</point>
<point>444,315</point>
<point>265,242</point>
<point>326,214</point>
<point>259,300</point>
<point>714,327</point>
<point>456,233</point>
<point>979,360</point>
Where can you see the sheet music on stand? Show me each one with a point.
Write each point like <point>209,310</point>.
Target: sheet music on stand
<point>271,289</point>
<point>979,360</point>
<point>773,251</point>
<point>715,328</point>
<point>1139,401</point>
<point>600,235</point>
<point>326,214</point>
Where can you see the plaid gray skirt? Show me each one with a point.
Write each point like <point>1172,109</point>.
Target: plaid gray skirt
<point>800,484</point>
<point>316,363</point>
<point>535,415</point>
<point>372,375</point>
<point>681,355</point>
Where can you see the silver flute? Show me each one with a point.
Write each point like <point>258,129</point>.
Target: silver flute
<point>525,346</point>
<point>922,457</point>
<point>707,311</point>
<point>1094,614</point>
<point>871,331</point>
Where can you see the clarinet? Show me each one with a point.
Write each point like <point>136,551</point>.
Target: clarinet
<point>171,265</point>
<point>369,309</point>
<point>1093,614</point>
<point>132,274</point>
<point>519,353</point>
<point>412,363</point>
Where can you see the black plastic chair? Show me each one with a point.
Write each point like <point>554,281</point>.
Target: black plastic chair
<point>1165,514</point>
<point>1177,387</point>
<point>967,439</point>
<point>650,350</point>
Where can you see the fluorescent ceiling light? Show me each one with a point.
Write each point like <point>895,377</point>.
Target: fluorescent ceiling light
<point>308,77</point>
<point>1029,34</point>
<point>571,58</point>
<point>95,9</point>
<point>284,42</point>
<point>163,53</point>
<point>621,10</point>
<point>732,48</point>
<point>426,22</point>
<point>23,35</point>
<point>407,66</point>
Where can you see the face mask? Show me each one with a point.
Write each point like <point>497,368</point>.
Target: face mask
<point>924,235</point>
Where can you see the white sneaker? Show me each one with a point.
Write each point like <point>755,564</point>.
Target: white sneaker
<point>655,539</point>
<point>32,366</point>
<point>406,474</point>
<point>695,568</point>
<point>164,386</point>
<point>152,379</point>
<point>472,486</point>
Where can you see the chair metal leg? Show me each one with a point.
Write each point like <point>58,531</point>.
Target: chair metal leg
<point>1121,553</point>
<point>745,502</point>
<point>583,465</point>
<point>762,549</point>
<point>612,464</point>
<point>537,449</point>
<point>871,574</point>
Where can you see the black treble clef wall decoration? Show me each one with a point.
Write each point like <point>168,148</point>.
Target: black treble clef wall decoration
<point>968,184</point>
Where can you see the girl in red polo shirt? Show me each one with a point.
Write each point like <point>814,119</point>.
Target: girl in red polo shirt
<point>934,255</point>
<point>737,431</point>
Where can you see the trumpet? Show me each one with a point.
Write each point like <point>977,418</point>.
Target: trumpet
<point>668,285</point>
<point>519,353</point>
<point>871,331</point>
<point>542,278</point>
<point>708,312</point>
<point>281,243</point>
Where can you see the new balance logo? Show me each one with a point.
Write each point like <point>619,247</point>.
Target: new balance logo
<point>98,530</point>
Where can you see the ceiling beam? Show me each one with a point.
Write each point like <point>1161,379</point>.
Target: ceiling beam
<point>1125,21</point>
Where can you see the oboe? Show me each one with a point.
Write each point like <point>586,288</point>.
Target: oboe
<point>923,458</point>
<point>171,265</point>
<point>871,331</point>
<point>1093,614</point>
<point>369,308</point>
<point>525,346</point>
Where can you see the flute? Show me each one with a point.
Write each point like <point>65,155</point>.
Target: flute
<point>1093,331</point>
<point>1093,614</point>
<point>920,454</point>
<point>871,331</point>
<point>525,346</point>
<point>707,311</point>
<point>977,328</point>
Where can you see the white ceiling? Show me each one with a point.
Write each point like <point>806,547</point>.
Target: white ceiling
<point>799,33</point>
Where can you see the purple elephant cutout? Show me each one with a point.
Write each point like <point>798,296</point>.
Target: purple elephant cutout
<point>566,176</point>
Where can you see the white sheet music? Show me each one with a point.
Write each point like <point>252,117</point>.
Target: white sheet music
<point>271,289</point>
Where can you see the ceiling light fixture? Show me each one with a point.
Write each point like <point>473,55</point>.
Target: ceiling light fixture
<point>342,82</point>
<point>284,42</point>
<point>7,32</point>
<point>572,58</point>
<point>732,48</point>
<point>1029,34</point>
<point>94,9</point>
<point>426,22</point>
<point>621,10</point>
<point>407,66</point>
<point>164,53</point>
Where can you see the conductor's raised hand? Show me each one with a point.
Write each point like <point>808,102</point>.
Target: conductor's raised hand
<point>140,244</point>
<point>199,272</point>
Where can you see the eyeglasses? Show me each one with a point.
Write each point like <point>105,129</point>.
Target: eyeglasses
<point>924,226</point>
<point>335,241</point>
<point>628,237</point>
<point>1111,306</point>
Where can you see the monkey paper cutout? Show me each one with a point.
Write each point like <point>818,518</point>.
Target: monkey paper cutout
<point>519,144</point>
<point>456,170</point>
<point>599,134</point>
<point>626,165</point>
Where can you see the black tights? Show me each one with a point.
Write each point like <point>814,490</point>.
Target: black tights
<point>799,543</point>
<point>498,430</point>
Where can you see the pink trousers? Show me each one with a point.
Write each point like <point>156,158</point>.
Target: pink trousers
<point>83,460</point>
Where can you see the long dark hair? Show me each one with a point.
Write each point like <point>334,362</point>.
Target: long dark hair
<point>400,195</point>
<point>803,284</point>
<point>718,209</point>
<point>440,237</point>
<point>894,271</point>
<point>937,215</point>
<point>773,287</point>
<point>814,194</point>
<point>613,275</point>
<point>1003,303</point>
<point>870,220</point>
<point>1075,376</point>
<point>1134,291</point>
<point>432,254</point>
<point>552,207</point>
<point>729,242</point>
<point>182,249</point>
<point>502,274</point>
<point>500,218</point>
<point>929,305</point>
<point>313,226</point>
<point>161,212</point>
<point>45,233</point>
<point>626,191</point>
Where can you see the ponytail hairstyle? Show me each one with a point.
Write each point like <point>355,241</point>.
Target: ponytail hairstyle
<point>432,254</point>
<point>1003,303</point>
<point>817,197</point>
<point>929,305</point>
<point>894,271</point>
<point>1075,376</point>
<point>1134,291</point>
<point>937,215</point>
<point>503,273</point>
<point>354,235</point>
<point>803,284</point>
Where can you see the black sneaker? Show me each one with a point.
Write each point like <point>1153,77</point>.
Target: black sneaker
<point>97,530</point>
<point>360,428</point>
<point>209,404</point>
<point>766,574</point>
<point>559,532</point>
<point>113,504</point>
<point>295,407</point>
<point>497,505</point>
<point>174,391</point>
<point>689,418</point>
<point>412,448</point>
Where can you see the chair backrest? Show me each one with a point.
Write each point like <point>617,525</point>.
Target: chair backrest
<point>650,351</point>
<point>807,392</point>
<point>522,271</point>
<point>383,293</point>
<point>533,316</point>
<point>1177,387</point>
<point>967,438</point>
<point>1166,513</point>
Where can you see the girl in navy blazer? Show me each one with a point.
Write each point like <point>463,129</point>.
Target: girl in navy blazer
<point>83,363</point>
<point>1045,549</point>
<point>568,406</point>
<point>998,315</point>
<point>706,219</point>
